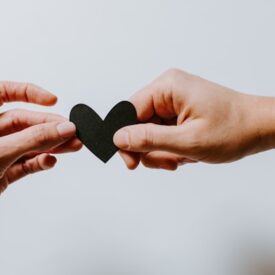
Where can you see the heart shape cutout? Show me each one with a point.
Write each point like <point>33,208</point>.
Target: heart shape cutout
<point>97,134</point>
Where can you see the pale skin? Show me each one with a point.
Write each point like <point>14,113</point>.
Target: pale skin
<point>29,140</point>
<point>187,119</point>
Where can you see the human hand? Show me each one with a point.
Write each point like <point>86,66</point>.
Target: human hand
<point>28,139</point>
<point>187,119</point>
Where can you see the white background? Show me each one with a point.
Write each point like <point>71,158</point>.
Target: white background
<point>85,217</point>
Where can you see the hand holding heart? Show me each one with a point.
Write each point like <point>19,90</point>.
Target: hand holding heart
<point>183,119</point>
<point>28,139</point>
<point>97,134</point>
<point>187,119</point>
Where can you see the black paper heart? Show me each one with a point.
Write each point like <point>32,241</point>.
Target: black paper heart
<point>97,134</point>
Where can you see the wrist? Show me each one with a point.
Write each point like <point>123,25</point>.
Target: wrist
<point>261,122</point>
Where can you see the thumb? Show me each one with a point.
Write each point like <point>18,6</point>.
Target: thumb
<point>38,138</point>
<point>149,137</point>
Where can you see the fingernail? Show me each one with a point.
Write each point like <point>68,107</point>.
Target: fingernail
<point>66,129</point>
<point>121,139</point>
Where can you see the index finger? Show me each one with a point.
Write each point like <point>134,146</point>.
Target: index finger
<point>156,99</point>
<point>25,92</point>
<point>144,103</point>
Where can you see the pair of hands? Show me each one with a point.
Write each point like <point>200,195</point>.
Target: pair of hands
<point>29,140</point>
<point>186,119</point>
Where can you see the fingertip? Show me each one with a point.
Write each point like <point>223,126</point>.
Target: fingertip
<point>131,160</point>
<point>77,145</point>
<point>66,129</point>
<point>160,160</point>
<point>52,100</point>
<point>74,145</point>
<point>133,165</point>
<point>39,95</point>
<point>171,168</point>
<point>48,161</point>
<point>49,99</point>
<point>121,139</point>
<point>169,165</point>
<point>143,102</point>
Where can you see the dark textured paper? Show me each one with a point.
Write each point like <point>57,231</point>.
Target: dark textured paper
<point>97,134</point>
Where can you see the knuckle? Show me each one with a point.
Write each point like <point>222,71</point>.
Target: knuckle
<point>16,113</point>
<point>173,73</point>
<point>145,138</point>
<point>25,89</point>
<point>14,118</point>
<point>31,166</point>
<point>171,77</point>
<point>27,168</point>
<point>4,86</point>
<point>28,86</point>
<point>194,143</point>
<point>142,142</point>
<point>41,137</point>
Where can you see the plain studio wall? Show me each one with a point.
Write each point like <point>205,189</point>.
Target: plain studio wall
<point>85,217</point>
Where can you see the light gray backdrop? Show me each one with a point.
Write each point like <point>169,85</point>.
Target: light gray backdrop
<point>85,217</point>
